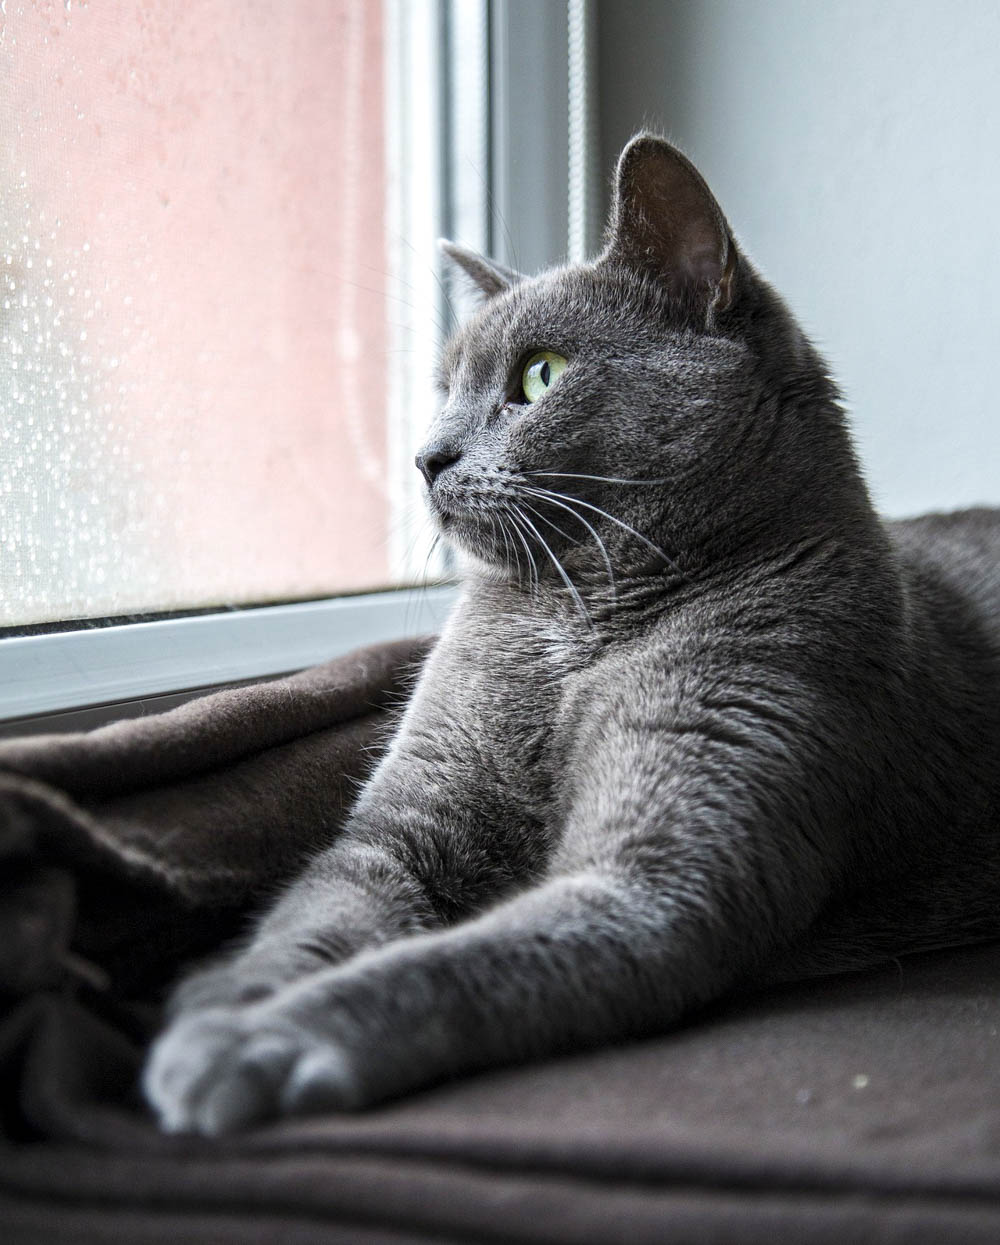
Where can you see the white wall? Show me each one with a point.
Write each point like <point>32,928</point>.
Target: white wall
<point>855,147</point>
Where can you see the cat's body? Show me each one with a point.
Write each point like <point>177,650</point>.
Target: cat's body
<point>698,720</point>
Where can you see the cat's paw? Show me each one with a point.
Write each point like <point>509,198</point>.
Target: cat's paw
<point>223,1069</point>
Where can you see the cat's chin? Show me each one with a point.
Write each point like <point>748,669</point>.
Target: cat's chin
<point>474,564</point>
<point>470,538</point>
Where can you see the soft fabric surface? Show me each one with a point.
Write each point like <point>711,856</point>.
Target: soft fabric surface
<point>853,1109</point>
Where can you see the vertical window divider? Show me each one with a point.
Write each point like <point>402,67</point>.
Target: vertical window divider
<point>415,306</point>
<point>583,208</point>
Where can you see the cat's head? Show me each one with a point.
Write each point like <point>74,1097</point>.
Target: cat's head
<point>598,413</point>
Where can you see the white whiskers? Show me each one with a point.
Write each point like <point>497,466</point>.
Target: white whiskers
<point>576,475</point>
<point>580,519</point>
<point>574,592</point>
<point>554,497</point>
<point>519,515</point>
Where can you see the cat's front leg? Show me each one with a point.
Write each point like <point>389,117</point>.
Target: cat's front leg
<point>577,961</point>
<point>389,879</point>
<point>678,876</point>
<point>595,957</point>
<point>358,893</point>
<point>419,853</point>
<point>693,848</point>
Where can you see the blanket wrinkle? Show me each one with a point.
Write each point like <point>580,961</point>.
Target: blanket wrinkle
<point>861,1108</point>
<point>204,734</point>
<point>174,823</point>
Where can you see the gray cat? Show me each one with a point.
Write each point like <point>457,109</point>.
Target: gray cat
<point>699,720</point>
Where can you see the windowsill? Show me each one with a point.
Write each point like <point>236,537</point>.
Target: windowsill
<point>65,672</point>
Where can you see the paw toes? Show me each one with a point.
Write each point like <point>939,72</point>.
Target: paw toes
<point>247,1089</point>
<point>319,1081</point>
<point>214,1074</point>
<point>182,1061</point>
<point>240,1097</point>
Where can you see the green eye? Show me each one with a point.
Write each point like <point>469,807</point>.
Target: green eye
<point>540,373</point>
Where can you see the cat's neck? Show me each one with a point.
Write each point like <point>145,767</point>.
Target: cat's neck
<point>597,610</point>
<point>634,580</point>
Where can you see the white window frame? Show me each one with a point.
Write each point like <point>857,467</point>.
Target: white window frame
<point>121,666</point>
<point>476,117</point>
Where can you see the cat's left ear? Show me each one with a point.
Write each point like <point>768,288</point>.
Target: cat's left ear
<point>491,278</point>
<point>665,220</point>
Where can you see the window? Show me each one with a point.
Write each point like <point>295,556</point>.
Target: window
<point>220,305</point>
<point>194,287</point>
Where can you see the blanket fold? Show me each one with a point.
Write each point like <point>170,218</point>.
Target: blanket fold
<point>128,847</point>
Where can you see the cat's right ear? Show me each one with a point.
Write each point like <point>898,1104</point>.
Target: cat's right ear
<point>665,220</point>
<point>489,277</point>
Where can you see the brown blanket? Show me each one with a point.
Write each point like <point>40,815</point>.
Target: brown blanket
<point>856,1109</point>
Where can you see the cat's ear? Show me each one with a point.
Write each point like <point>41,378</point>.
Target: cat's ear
<point>665,220</point>
<point>490,277</point>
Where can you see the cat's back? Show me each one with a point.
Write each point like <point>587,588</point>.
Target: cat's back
<point>950,569</point>
<point>951,562</point>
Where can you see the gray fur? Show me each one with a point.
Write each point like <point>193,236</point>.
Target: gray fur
<point>741,730</point>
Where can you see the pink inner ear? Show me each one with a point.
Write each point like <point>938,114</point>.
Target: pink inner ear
<point>680,215</point>
<point>666,216</point>
<point>703,262</point>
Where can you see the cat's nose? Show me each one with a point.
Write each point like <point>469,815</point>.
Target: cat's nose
<point>433,460</point>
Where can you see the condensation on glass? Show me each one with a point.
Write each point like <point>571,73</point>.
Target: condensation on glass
<point>192,324</point>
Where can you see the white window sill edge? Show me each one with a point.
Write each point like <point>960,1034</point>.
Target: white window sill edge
<point>62,672</point>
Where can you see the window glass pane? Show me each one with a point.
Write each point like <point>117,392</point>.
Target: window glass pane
<point>193,326</point>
